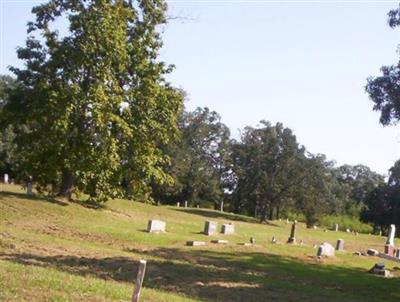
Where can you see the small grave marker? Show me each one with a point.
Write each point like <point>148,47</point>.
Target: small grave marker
<point>228,229</point>
<point>139,281</point>
<point>340,245</point>
<point>210,227</point>
<point>156,226</point>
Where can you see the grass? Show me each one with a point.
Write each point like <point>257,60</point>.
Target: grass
<point>61,251</point>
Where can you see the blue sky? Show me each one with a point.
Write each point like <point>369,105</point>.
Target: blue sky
<point>302,63</point>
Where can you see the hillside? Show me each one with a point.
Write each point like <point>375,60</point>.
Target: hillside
<point>61,251</point>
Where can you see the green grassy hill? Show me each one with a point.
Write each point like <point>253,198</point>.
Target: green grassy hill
<point>59,251</point>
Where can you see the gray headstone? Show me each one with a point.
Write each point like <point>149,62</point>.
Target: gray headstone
<point>372,252</point>
<point>186,204</point>
<point>340,245</point>
<point>210,227</point>
<point>29,188</point>
<point>6,178</point>
<point>252,240</point>
<point>156,226</point>
<point>228,229</point>
<point>326,249</point>
<point>392,232</point>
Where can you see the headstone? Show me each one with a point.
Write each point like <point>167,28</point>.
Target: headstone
<point>178,204</point>
<point>156,226</point>
<point>326,249</point>
<point>195,243</point>
<point>315,227</point>
<point>389,246</point>
<point>6,178</point>
<point>186,204</point>
<point>221,207</point>
<point>392,232</point>
<point>336,227</point>
<point>380,233</point>
<point>273,240</point>
<point>139,281</point>
<point>219,241</point>
<point>287,220</point>
<point>301,242</point>
<point>198,206</point>
<point>210,227</point>
<point>348,231</point>
<point>228,229</point>
<point>340,245</point>
<point>398,253</point>
<point>292,238</point>
<point>246,244</point>
<point>379,269</point>
<point>29,188</point>
<point>252,240</point>
<point>372,252</point>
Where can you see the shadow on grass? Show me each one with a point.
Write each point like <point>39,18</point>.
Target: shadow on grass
<point>33,197</point>
<point>222,215</point>
<point>229,276</point>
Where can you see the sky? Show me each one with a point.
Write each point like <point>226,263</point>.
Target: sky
<point>301,63</point>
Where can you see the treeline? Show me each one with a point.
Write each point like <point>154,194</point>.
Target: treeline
<point>266,173</point>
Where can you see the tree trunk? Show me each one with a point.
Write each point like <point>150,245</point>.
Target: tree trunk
<point>67,183</point>
<point>271,213</point>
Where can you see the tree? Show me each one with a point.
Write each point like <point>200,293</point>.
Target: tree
<point>198,160</point>
<point>266,168</point>
<point>384,90</point>
<point>95,101</point>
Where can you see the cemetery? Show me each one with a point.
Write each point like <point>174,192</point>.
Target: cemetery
<point>66,257</point>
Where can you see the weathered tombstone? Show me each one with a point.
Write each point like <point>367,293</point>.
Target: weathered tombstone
<point>252,240</point>
<point>326,249</point>
<point>195,243</point>
<point>29,188</point>
<point>336,227</point>
<point>228,229</point>
<point>210,227</point>
<point>398,253</point>
<point>139,281</point>
<point>292,238</point>
<point>219,241</point>
<point>6,178</point>
<point>186,204</point>
<point>287,220</point>
<point>221,206</point>
<point>379,269</point>
<point>389,246</point>
<point>198,206</point>
<point>372,252</point>
<point>273,240</point>
<point>340,245</point>
<point>348,231</point>
<point>156,226</point>
<point>380,233</point>
<point>178,204</point>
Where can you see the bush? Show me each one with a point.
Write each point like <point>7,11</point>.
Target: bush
<point>346,222</point>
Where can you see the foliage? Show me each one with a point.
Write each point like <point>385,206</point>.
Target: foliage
<point>199,160</point>
<point>96,102</point>
<point>346,222</point>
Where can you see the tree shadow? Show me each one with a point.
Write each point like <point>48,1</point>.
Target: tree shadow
<point>221,215</point>
<point>228,276</point>
<point>36,198</point>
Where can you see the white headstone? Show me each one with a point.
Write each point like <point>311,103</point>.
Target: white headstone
<point>336,227</point>
<point>195,243</point>
<point>210,227</point>
<point>326,249</point>
<point>6,178</point>
<point>186,203</point>
<point>156,226</point>
<point>228,229</point>
<point>392,232</point>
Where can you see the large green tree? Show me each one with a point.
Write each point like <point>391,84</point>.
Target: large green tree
<point>95,100</point>
<point>267,167</point>
<point>199,160</point>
